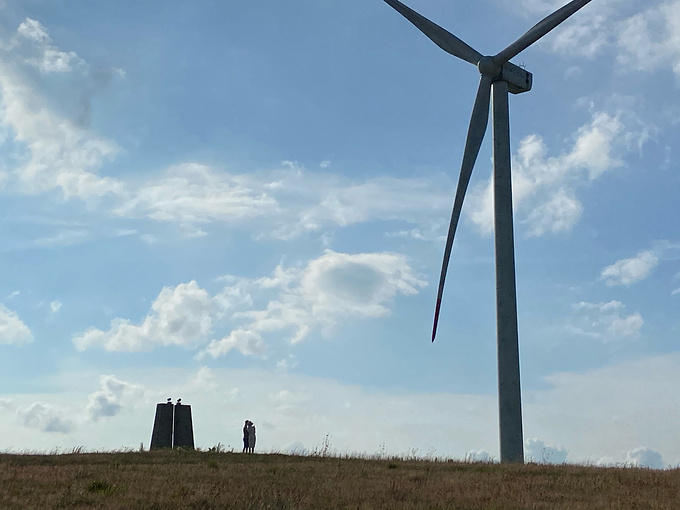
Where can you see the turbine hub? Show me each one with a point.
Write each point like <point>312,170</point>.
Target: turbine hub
<point>488,67</point>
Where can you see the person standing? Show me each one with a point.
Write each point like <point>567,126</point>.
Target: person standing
<point>245,436</point>
<point>251,437</point>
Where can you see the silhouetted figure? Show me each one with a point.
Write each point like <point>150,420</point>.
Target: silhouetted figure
<point>245,436</point>
<point>251,437</point>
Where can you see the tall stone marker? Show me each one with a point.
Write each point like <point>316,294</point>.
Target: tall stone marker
<point>172,427</point>
<point>184,428</point>
<point>162,427</point>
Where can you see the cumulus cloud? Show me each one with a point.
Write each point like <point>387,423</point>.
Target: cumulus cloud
<point>107,401</point>
<point>545,187</point>
<point>478,456</point>
<point>645,457</point>
<point>649,40</point>
<point>286,364</point>
<point>297,301</point>
<point>6,403</point>
<point>63,238</point>
<point>180,315</point>
<point>327,201</point>
<point>331,288</point>
<point>596,414</point>
<point>287,202</point>
<point>629,271</point>
<point>13,331</point>
<point>33,30</point>
<point>536,450</point>
<point>644,37</point>
<point>54,151</point>
<point>193,193</point>
<point>49,59</point>
<point>606,321</point>
<point>204,379</point>
<point>44,418</point>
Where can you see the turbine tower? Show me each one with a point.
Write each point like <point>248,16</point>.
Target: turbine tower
<point>498,78</point>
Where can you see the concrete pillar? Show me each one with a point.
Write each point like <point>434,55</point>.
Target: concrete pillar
<point>184,429</point>
<point>162,427</point>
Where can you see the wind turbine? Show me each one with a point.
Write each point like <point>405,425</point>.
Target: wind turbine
<point>498,77</point>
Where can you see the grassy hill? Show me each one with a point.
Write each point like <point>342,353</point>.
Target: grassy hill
<point>167,480</point>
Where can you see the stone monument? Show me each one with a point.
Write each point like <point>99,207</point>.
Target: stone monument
<point>172,427</point>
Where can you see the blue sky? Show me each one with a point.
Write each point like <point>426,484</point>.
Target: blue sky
<point>244,205</point>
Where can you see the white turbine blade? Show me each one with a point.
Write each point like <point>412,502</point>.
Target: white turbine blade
<point>442,38</point>
<point>539,30</point>
<point>475,136</point>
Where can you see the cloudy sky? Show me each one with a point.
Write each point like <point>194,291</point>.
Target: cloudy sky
<point>243,204</point>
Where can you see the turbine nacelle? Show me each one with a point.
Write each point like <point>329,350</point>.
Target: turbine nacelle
<point>519,80</point>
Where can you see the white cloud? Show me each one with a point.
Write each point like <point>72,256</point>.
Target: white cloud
<point>645,457</point>
<point>629,271</point>
<point>47,58</point>
<point>545,187</point>
<point>649,40</point>
<point>193,193</point>
<point>286,364</point>
<point>337,202</point>
<point>606,321</point>
<point>536,450</point>
<point>34,30</point>
<point>333,287</point>
<point>297,301</point>
<point>55,306</point>
<point>45,418</point>
<point>61,155</point>
<point>6,403</point>
<point>180,315</point>
<point>434,233</point>
<point>63,238</point>
<point>204,379</point>
<point>55,61</point>
<point>478,456</point>
<point>588,33</point>
<point>108,400</point>
<point>13,331</point>
<point>644,37</point>
<point>610,410</point>
<point>596,415</point>
<point>53,152</point>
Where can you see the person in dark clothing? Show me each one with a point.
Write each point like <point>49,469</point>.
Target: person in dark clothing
<point>245,436</point>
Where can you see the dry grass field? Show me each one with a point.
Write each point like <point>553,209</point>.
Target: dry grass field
<point>167,480</point>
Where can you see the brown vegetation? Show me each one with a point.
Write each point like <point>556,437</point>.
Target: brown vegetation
<point>210,480</point>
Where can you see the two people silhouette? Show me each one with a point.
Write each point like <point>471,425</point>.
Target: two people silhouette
<point>248,437</point>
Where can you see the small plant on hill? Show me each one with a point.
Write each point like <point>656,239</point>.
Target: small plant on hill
<point>100,487</point>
